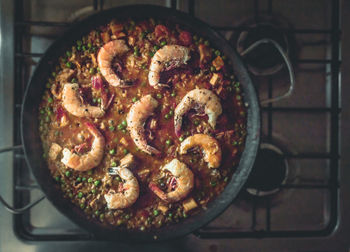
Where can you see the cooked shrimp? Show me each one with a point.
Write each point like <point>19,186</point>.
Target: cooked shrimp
<point>169,56</point>
<point>198,99</point>
<point>210,146</point>
<point>73,103</point>
<point>136,119</point>
<point>90,159</point>
<point>183,182</point>
<point>105,57</point>
<point>127,193</point>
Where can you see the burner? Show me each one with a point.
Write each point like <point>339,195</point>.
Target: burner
<point>265,59</point>
<point>269,172</point>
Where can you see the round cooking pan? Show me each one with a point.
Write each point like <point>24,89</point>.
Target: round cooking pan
<point>33,147</point>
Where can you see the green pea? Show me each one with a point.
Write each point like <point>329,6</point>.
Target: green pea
<point>217,53</point>
<point>92,70</point>
<point>47,119</point>
<point>124,123</point>
<point>143,66</point>
<point>125,151</point>
<point>181,138</point>
<point>49,112</point>
<point>196,122</point>
<point>90,180</point>
<point>94,100</point>
<point>97,213</point>
<point>206,42</point>
<point>79,43</point>
<point>80,195</point>
<point>89,45</point>
<point>58,178</point>
<point>212,69</point>
<point>142,228</point>
<point>156,47</point>
<point>99,100</point>
<point>74,80</point>
<point>69,64</point>
<point>184,215</point>
<point>68,53</point>
<point>83,179</point>
<point>48,85</point>
<point>97,183</point>
<point>124,131</point>
<point>237,84</point>
<point>119,179</point>
<point>213,183</point>
<point>151,53</point>
<point>155,212</point>
<point>226,179</point>
<point>171,112</point>
<point>98,69</point>
<point>168,142</point>
<point>78,179</point>
<point>120,126</point>
<point>112,151</point>
<point>170,214</point>
<point>49,100</point>
<point>53,74</point>
<point>42,111</point>
<point>159,96</point>
<point>113,164</point>
<point>238,97</point>
<point>89,172</point>
<point>163,43</point>
<point>84,48</point>
<point>82,205</point>
<point>234,143</point>
<point>166,116</point>
<point>134,99</point>
<point>78,48</point>
<point>70,195</point>
<point>173,94</point>
<point>93,191</point>
<point>111,128</point>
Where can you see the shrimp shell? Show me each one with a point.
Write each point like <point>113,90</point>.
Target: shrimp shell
<point>136,118</point>
<point>168,56</point>
<point>105,57</point>
<point>90,159</point>
<point>73,103</point>
<point>120,200</point>
<point>194,99</point>
<point>210,146</point>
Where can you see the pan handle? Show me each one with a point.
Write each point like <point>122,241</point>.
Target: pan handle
<point>286,60</point>
<point>6,205</point>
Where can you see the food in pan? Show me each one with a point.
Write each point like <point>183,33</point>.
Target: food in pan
<point>142,123</point>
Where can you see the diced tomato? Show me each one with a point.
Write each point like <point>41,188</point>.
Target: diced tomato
<point>161,31</point>
<point>185,38</point>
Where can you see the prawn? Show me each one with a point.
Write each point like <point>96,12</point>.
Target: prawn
<point>74,104</point>
<point>210,146</point>
<point>169,56</point>
<point>128,192</point>
<point>114,48</point>
<point>184,182</point>
<point>136,119</point>
<point>197,99</point>
<point>90,159</point>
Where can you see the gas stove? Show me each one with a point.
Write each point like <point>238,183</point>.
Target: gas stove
<point>295,198</point>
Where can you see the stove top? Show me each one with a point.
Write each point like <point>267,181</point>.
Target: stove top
<point>304,136</point>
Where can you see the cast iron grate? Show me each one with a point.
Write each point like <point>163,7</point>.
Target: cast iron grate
<point>22,226</point>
